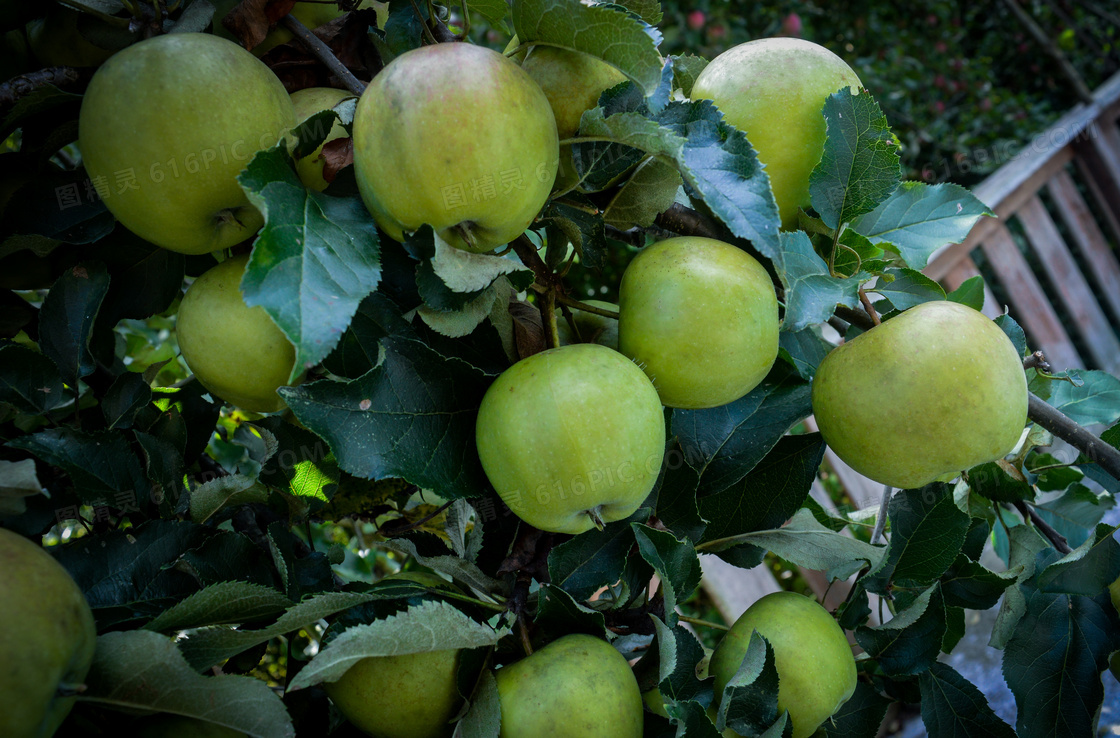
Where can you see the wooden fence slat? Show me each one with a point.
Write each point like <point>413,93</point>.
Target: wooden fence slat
<point>964,270</point>
<point>1111,217</point>
<point>1031,306</point>
<point>1070,284</point>
<point>1101,163</point>
<point>1092,243</point>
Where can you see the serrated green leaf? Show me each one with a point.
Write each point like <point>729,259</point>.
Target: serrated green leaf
<point>1087,570</point>
<point>494,11</point>
<point>1054,660</point>
<point>126,396</point>
<point>67,317</point>
<point>770,494</point>
<point>233,489</point>
<point>860,164</point>
<point>559,614</point>
<point>429,626</point>
<point>313,262</point>
<point>140,670</point>
<point>459,569</point>
<point>860,716</point>
<point>412,417</point>
<point>221,603</point>
<point>1014,331</point>
<point>1095,400</point>
<point>100,464</point>
<point>604,32</point>
<point>804,350</point>
<point>484,718</point>
<point>952,705</point>
<point>749,703</point>
<point>679,653</point>
<point>675,562</point>
<point>1074,512</point>
<point>724,443</point>
<point>805,542</point>
<point>205,647</point>
<point>686,68</point>
<point>918,219</point>
<point>595,559</point>
<point>905,288</point>
<point>927,533</point>
<point>581,224</point>
<point>812,294</point>
<point>969,584</point>
<point>649,191</point>
<point>909,642</point>
<point>970,292</point>
<point>994,481</point>
<point>30,381</point>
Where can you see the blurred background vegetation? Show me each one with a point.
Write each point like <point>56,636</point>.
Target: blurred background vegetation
<point>964,85</point>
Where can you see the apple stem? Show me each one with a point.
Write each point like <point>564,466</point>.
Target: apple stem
<point>593,513</point>
<point>466,233</point>
<point>569,302</point>
<point>226,216</point>
<point>868,307</point>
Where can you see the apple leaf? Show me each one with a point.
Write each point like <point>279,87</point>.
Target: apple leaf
<point>585,563</point>
<point>770,494</point>
<point>496,12</point>
<point>804,350</point>
<point>579,221</point>
<point>860,716</point>
<point>429,626</point>
<point>927,533</point>
<point>859,167</point>
<point>559,614</point>
<point>812,294</point>
<point>1095,400</point>
<point>724,443</point>
<point>1088,569</point>
<point>714,158</point>
<point>994,481</point>
<point>952,705</point>
<point>905,288</point>
<point>648,10</point>
<point>126,396</point>
<point>67,317</point>
<point>144,671</point>
<point>604,32</point>
<point>56,205</point>
<point>221,603</point>
<point>1054,660</point>
<point>412,417</point>
<point>448,278</point>
<point>233,489</point>
<point>679,653</point>
<point>692,719</point>
<point>918,219</point>
<point>484,718</point>
<point>686,68</point>
<point>102,465</point>
<point>29,381</point>
<point>313,262</point>
<point>457,568</point>
<point>749,703</point>
<point>194,18</point>
<point>675,562</point>
<point>971,585</point>
<point>205,647</point>
<point>649,191</point>
<point>676,495</point>
<point>1014,332</point>
<point>302,466</point>
<point>1074,512</point>
<point>909,642</point>
<point>804,542</point>
<point>970,292</point>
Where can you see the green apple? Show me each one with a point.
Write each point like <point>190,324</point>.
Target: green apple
<point>774,90</point>
<point>308,102</point>
<point>933,391</point>
<point>234,350</point>
<point>578,686</point>
<point>701,317</point>
<point>592,328</point>
<point>572,437</point>
<point>165,128</point>
<point>458,137</point>
<point>179,726</point>
<point>412,695</point>
<point>47,636</point>
<point>572,81</point>
<point>816,669</point>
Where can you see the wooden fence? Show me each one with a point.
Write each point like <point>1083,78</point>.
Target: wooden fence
<point>1050,257</point>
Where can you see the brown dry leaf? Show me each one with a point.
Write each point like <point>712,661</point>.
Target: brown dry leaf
<point>337,154</point>
<point>348,40</point>
<point>250,20</point>
<point>528,329</point>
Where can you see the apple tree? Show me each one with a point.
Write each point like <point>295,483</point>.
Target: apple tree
<point>316,401</point>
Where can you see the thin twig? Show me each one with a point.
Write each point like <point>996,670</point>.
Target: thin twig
<point>423,24</point>
<point>881,521</point>
<point>527,252</point>
<point>1055,538</point>
<point>23,85</point>
<point>868,306</point>
<point>323,53</point>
